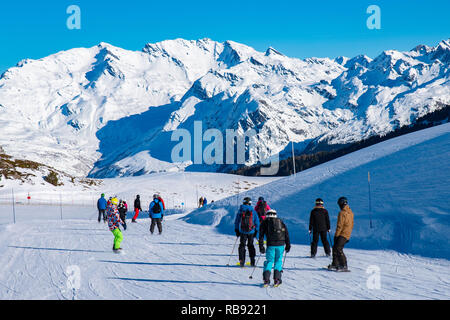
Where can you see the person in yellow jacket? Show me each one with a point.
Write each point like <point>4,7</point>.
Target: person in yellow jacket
<point>342,236</point>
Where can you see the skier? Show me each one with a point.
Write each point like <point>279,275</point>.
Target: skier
<point>122,208</point>
<point>246,227</point>
<point>162,201</point>
<point>137,208</point>
<point>205,202</point>
<point>200,202</point>
<point>319,225</point>
<point>342,236</point>
<point>278,241</point>
<point>156,212</point>
<point>101,206</point>
<point>261,208</point>
<point>113,224</point>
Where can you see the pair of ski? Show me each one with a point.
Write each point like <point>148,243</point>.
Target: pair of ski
<point>336,270</point>
<point>267,285</point>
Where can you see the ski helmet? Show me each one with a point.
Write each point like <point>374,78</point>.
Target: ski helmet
<point>342,202</point>
<point>114,201</point>
<point>260,199</point>
<point>319,202</point>
<point>272,213</point>
<point>247,200</point>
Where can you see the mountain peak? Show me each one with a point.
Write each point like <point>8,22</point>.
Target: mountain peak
<point>272,51</point>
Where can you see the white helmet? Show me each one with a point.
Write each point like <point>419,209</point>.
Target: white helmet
<point>271,213</point>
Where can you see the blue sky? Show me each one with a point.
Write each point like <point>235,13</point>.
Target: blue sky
<point>35,29</point>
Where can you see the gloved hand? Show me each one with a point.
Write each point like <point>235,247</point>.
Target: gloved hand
<point>237,232</point>
<point>287,248</point>
<point>262,249</point>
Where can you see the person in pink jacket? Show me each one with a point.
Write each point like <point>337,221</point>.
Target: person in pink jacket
<point>261,208</point>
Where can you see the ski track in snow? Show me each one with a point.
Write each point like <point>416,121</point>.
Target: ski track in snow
<point>190,262</point>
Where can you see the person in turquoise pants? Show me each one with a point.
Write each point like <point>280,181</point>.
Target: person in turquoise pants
<point>278,241</point>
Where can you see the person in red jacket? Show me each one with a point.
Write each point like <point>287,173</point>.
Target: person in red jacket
<point>162,201</point>
<point>261,208</point>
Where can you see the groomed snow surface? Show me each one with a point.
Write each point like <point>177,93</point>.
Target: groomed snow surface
<point>407,250</point>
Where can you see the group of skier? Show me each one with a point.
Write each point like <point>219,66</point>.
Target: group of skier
<point>114,210</point>
<point>262,222</point>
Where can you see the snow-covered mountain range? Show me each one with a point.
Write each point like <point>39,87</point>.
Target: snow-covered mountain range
<point>105,111</point>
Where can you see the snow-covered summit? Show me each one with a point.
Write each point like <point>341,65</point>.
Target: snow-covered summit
<point>106,111</point>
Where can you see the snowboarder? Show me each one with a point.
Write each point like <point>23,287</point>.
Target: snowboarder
<point>261,208</point>
<point>278,241</point>
<point>246,226</point>
<point>122,208</point>
<point>101,206</point>
<point>156,212</point>
<point>137,208</point>
<point>319,225</point>
<point>342,236</point>
<point>113,224</point>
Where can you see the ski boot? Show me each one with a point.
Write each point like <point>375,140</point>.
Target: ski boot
<point>332,267</point>
<point>276,278</point>
<point>266,279</point>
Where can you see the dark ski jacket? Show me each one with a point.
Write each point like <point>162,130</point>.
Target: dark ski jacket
<point>137,204</point>
<point>268,229</point>
<point>319,219</point>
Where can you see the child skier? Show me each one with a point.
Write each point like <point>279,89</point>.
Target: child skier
<point>122,208</point>
<point>246,225</point>
<point>278,241</point>
<point>319,225</point>
<point>113,224</point>
<point>156,212</point>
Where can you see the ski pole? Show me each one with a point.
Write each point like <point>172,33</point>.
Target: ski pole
<point>232,251</point>
<point>254,268</point>
<point>329,236</point>
<point>282,266</point>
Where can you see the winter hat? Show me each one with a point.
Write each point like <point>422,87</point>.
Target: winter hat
<point>272,213</point>
<point>260,199</point>
<point>319,202</point>
<point>103,195</point>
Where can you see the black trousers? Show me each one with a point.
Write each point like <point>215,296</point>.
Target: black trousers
<point>315,242</point>
<point>339,258</point>
<point>156,221</point>
<point>101,212</point>
<point>123,217</point>
<point>247,240</point>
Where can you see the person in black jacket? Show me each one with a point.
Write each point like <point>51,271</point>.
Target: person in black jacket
<point>278,241</point>
<point>137,208</point>
<point>122,208</point>
<point>319,225</point>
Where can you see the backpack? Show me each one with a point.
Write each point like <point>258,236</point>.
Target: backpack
<point>276,230</point>
<point>262,209</point>
<point>156,207</point>
<point>247,221</point>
